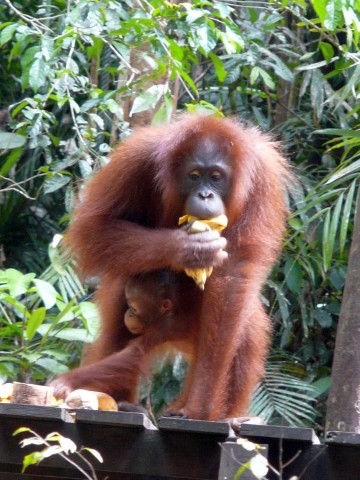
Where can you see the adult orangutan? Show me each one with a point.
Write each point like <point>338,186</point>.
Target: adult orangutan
<point>127,225</point>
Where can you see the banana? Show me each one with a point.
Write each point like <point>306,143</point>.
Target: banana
<point>200,275</point>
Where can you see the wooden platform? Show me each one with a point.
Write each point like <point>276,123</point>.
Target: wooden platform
<point>133,448</point>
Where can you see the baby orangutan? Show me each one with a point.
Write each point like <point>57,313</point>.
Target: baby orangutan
<point>150,298</point>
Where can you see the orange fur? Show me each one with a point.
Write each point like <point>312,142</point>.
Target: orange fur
<point>124,226</point>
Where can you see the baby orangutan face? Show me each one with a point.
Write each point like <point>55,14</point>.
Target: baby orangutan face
<point>146,307</point>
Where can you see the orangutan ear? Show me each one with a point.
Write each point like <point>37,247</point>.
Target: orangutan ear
<point>166,306</point>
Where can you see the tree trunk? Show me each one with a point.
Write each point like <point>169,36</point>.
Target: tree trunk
<point>344,399</point>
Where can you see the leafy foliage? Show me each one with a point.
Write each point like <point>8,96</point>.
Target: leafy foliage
<point>34,317</point>
<point>56,444</point>
<point>283,398</point>
<point>77,76</point>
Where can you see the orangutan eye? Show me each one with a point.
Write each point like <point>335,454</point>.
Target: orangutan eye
<point>194,175</point>
<point>216,176</point>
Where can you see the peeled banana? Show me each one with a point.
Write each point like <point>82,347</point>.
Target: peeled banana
<point>200,275</point>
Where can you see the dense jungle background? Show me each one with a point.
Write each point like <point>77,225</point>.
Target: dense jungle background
<point>76,76</point>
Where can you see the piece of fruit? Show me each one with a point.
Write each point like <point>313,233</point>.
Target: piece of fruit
<point>6,391</point>
<point>88,399</point>
<point>200,275</point>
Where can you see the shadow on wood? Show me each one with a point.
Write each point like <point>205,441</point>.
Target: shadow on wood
<point>132,448</point>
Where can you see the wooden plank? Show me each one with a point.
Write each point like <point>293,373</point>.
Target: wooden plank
<point>35,411</point>
<point>110,476</point>
<point>194,426</point>
<point>304,435</point>
<point>123,419</point>
<point>131,452</point>
<point>128,452</point>
<point>342,438</point>
<point>26,476</point>
<point>28,394</point>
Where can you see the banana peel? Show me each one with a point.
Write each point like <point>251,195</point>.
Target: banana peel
<point>6,391</point>
<point>91,400</point>
<point>200,275</point>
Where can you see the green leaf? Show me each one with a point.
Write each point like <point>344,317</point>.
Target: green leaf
<point>74,105</point>
<point>31,459</point>
<point>123,50</point>
<point>115,108</point>
<point>34,322</point>
<point>96,119</point>
<point>164,113</point>
<point>337,279</point>
<point>10,140</point>
<point>282,301</point>
<point>28,56</point>
<point>37,74</point>
<point>307,55</point>
<point>205,37</point>
<point>316,65</point>
<point>277,64</point>
<point>193,15</point>
<point>51,365</point>
<point>232,40</point>
<point>323,318</point>
<point>47,47</point>
<point>7,33</point>
<point>95,453</point>
<point>21,430</point>
<point>318,200</point>
<point>96,49</point>
<point>219,67</point>
<point>282,395</point>
<point>91,314</point>
<point>327,252</point>
<point>327,50</point>
<point>293,275</point>
<point>333,229</point>
<point>147,100</point>
<point>242,470</point>
<point>267,79</point>
<point>187,79</point>
<point>11,160</point>
<point>353,167</point>
<point>296,223</point>
<point>50,451</point>
<point>346,217</point>
<point>89,104</point>
<point>66,313</point>
<point>317,92</point>
<point>320,8</point>
<point>46,292</point>
<point>52,437</point>
<point>321,386</point>
<point>67,445</point>
<point>224,10</point>
<point>334,16</point>
<point>18,283</point>
<point>55,183</point>
<point>19,106</point>
<point>36,440</point>
<point>72,334</point>
<point>339,132</point>
<point>256,72</point>
<point>254,75</point>
<point>177,53</point>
